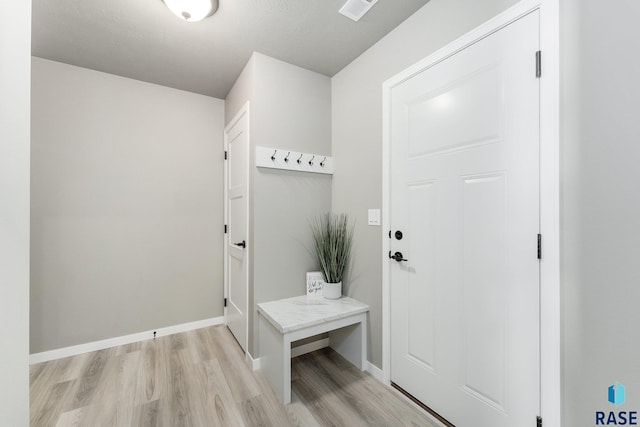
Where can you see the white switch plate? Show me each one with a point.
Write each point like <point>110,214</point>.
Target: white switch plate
<point>374,216</point>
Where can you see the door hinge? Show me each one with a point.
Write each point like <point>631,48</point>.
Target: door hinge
<point>226,156</point>
<point>538,64</point>
<point>225,229</point>
<point>538,421</point>
<point>539,246</point>
<point>225,302</point>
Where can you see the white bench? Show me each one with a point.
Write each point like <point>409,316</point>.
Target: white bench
<point>285,321</point>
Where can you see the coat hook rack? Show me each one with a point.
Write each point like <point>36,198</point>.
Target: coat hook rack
<point>267,157</point>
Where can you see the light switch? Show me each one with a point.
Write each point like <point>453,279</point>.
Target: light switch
<point>374,216</point>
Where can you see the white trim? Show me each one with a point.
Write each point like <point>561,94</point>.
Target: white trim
<point>386,227</point>
<point>126,339</point>
<point>225,237</point>
<point>375,372</point>
<point>309,347</point>
<point>491,26</point>
<point>550,309</point>
<point>550,344</point>
<point>253,364</point>
<point>244,110</point>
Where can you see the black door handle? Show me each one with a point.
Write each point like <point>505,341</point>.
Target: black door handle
<point>397,256</point>
<point>242,244</point>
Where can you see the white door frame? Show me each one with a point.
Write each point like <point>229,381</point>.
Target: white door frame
<point>244,110</point>
<point>550,345</point>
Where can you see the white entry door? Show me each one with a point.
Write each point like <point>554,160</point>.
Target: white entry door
<point>464,173</point>
<point>237,183</point>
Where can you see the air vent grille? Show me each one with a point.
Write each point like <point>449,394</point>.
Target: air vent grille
<point>355,9</point>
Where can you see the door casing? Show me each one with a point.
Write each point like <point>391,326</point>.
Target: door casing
<point>549,191</point>
<point>245,110</point>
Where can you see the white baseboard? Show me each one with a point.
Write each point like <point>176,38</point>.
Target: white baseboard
<point>253,364</point>
<point>126,339</point>
<point>309,347</point>
<point>375,371</point>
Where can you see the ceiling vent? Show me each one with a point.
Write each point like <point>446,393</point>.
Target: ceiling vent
<point>355,9</point>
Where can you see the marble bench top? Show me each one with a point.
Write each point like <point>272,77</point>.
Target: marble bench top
<point>295,313</point>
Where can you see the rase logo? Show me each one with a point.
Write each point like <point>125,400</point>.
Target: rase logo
<point>616,396</point>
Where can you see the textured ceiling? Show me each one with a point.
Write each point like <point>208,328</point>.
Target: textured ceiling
<point>143,40</point>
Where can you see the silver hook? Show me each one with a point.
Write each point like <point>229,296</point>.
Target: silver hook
<point>273,157</point>
<point>322,162</point>
<point>311,161</point>
<point>286,159</point>
<point>300,159</point>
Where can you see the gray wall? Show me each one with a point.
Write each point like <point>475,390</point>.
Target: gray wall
<point>126,206</point>
<point>15,64</point>
<point>290,109</point>
<point>357,132</point>
<point>241,92</point>
<point>600,205</point>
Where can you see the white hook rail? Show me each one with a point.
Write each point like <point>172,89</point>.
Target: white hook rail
<point>275,158</point>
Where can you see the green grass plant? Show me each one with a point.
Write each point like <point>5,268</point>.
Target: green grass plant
<point>333,239</point>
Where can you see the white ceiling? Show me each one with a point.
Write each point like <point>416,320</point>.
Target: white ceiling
<point>143,40</point>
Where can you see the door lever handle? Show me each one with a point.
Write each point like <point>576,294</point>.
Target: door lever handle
<point>242,244</point>
<point>397,256</point>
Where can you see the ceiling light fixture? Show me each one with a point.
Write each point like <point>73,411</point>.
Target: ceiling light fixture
<point>192,10</point>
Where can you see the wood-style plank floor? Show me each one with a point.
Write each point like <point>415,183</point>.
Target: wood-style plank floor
<point>199,378</point>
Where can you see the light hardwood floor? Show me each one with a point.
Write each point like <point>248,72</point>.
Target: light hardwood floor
<point>199,378</point>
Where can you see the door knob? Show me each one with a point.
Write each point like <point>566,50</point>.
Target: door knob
<point>397,256</point>
<point>242,244</point>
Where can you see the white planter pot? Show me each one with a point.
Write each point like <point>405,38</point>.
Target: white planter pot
<point>332,290</point>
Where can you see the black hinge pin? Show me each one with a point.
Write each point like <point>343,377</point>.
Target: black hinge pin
<point>225,155</point>
<point>539,246</point>
<point>225,302</point>
<point>225,229</point>
<point>538,421</point>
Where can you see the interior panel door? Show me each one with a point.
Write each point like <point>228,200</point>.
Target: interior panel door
<point>237,141</point>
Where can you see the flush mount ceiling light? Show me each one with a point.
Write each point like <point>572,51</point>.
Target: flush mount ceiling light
<point>192,10</point>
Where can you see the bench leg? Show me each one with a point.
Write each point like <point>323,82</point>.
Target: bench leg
<point>275,360</point>
<point>351,342</point>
